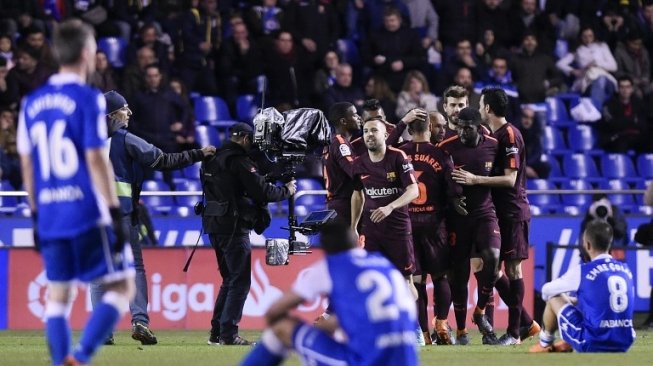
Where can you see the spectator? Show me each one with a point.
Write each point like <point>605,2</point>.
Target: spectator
<point>240,64</point>
<point>457,21</point>
<point>19,14</point>
<point>530,128</point>
<point>527,19</point>
<point>264,20</point>
<point>500,76</point>
<point>492,15</point>
<point>464,57</point>
<point>186,135</point>
<point>633,60</point>
<point>148,36</point>
<point>415,94</point>
<point>289,72</point>
<point>394,50</point>
<point>7,50</point>
<point>624,124</point>
<point>615,24</point>
<point>371,15</point>
<point>593,62</point>
<point>103,78</point>
<point>201,37</point>
<point>487,48</point>
<point>133,78</point>
<point>343,90</point>
<point>645,25</point>
<point>534,72</point>
<point>9,160</point>
<point>34,37</point>
<point>314,24</point>
<point>325,77</point>
<point>464,78</point>
<point>6,100</point>
<point>377,88</point>
<point>28,74</point>
<point>424,20</point>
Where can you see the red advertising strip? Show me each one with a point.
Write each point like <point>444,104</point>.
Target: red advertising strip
<point>181,300</point>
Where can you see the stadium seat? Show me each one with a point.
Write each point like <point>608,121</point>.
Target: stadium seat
<point>246,107</point>
<point>312,202</point>
<point>186,186</point>
<point>8,204</point>
<point>207,135</point>
<point>114,48</point>
<point>558,112</point>
<point>211,110</point>
<point>556,172</point>
<point>576,204</point>
<point>192,171</point>
<point>625,201</point>
<point>579,166</point>
<point>618,166</point>
<point>645,166</point>
<point>582,138</point>
<point>553,142</point>
<point>546,202</point>
<point>159,204</point>
<point>348,52</point>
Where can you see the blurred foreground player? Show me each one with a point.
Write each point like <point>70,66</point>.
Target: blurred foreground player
<point>379,330</point>
<point>62,138</point>
<point>600,319</point>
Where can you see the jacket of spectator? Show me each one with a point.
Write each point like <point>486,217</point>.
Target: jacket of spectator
<point>457,20</point>
<point>533,72</point>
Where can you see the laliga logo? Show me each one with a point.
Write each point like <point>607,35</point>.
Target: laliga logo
<point>261,293</point>
<point>35,303</point>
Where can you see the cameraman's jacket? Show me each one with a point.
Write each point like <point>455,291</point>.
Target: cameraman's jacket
<point>130,153</point>
<point>236,194</point>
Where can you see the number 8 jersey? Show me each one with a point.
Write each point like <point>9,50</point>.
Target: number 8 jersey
<point>57,124</point>
<point>372,303</point>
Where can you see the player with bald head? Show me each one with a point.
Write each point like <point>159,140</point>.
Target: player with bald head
<point>437,125</point>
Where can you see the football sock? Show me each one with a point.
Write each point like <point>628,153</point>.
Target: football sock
<point>268,352</point>
<point>546,338</point>
<point>489,309</point>
<point>514,311</point>
<point>442,297</point>
<point>57,331</point>
<point>526,318</point>
<point>485,288</point>
<point>100,325</point>
<point>422,303</point>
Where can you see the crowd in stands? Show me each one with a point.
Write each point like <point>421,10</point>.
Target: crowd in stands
<point>313,53</point>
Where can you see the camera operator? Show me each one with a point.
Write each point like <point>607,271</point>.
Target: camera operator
<point>603,209</point>
<point>236,202</point>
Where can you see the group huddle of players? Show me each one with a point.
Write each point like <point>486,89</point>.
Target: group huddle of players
<point>439,195</point>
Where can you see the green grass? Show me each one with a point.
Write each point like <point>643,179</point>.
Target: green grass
<point>190,348</point>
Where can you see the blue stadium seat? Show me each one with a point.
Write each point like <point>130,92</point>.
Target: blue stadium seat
<point>547,203</point>
<point>579,166</point>
<point>312,202</point>
<point>246,107</point>
<point>8,204</point>
<point>626,202</point>
<point>160,204</point>
<point>211,110</point>
<point>192,171</point>
<point>187,185</point>
<point>576,204</point>
<point>114,48</point>
<point>582,138</point>
<point>348,52</point>
<point>558,112</point>
<point>556,172</point>
<point>207,135</point>
<point>553,142</point>
<point>645,166</point>
<point>618,166</point>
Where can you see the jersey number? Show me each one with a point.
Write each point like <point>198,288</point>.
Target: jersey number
<point>423,194</point>
<point>618,289</point>
<point>388,296</point>
<point>57,152</point>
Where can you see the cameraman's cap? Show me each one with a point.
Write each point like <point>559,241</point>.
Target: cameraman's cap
<point>241,129</point>
<point>115,101</point>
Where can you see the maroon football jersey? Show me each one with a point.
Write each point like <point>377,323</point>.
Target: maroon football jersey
<point>477,160</point>
<point>433,173</point>
<point>383,182</point>
<point>337,168</point>
<point>511,202</point>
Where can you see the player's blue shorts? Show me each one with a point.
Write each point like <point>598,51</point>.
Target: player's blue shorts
<point>571,325</point>
<point>317,348</point>
<point>86,257</point>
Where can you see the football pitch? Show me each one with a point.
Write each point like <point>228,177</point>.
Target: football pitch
<point>190,348</point>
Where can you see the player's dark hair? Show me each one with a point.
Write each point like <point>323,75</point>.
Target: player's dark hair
<point>337,236</point>
<point>470,116</point>
<point>70,39</point>
<point>338,111</point>
<point>419,126</point>
<point>455,91</point>
<point>599,233</point>
<point>497,99</point>
<point>371,105</point>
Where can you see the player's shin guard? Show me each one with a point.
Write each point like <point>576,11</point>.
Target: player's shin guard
<point>101,324</point>
<point>57,330</point>
<point>269,352</point>
<point>422,303</point>
<point>441,297</point>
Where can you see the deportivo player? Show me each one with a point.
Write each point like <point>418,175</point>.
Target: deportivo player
<point>477,234</point>
<point>62,138</point>
<point>433,173</point>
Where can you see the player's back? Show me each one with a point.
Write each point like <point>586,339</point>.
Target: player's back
<point>58,122</point>
<point>606,298</point>
<point>338,180</point>
<point>511,202</point>
<point>374,307</point>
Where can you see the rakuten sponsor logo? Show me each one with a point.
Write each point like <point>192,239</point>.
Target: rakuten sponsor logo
<point>382,192</point>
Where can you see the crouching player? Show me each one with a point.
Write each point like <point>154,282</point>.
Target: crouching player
<point>601,318</point>
<point>379,333</point>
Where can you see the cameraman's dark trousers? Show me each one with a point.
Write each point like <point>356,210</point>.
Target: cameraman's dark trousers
<point>234,256</point>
